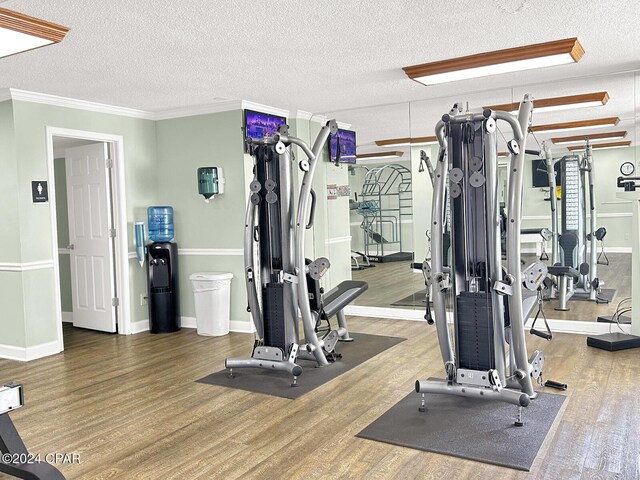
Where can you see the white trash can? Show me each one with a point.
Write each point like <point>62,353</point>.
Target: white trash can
<point>212,292</point>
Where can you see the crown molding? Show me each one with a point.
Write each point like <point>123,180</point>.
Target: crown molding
<point>303,115</point>
<point>223,106</point>
<point>193,110</point>
<point>246,104</point>
<point>57,101</point>
<point>218,107</point>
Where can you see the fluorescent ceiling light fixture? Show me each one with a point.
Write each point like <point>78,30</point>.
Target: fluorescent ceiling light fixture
<point>591,137</point>
<point>575,148</point>
<point>403,142</point>
<point>576,125</point>
<point>19,33</point>
<point>516,59</point>
<point>596,99</point>
<point>379,155</point>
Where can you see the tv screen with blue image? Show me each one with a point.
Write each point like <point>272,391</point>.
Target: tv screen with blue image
<point>342,146</point>
<point>259,125</point>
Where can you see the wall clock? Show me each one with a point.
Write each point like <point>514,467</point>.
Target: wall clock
<point>627,168</point>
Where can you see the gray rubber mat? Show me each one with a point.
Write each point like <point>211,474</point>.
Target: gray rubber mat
<point>469,428</point>
<point>606,294</point>
<point>278,384</point>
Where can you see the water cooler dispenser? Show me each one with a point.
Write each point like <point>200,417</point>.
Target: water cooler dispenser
<point>164,305</point>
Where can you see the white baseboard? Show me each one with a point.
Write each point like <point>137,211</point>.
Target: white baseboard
<point>190,322</point>
<point>580,327</point>
<point>616,250</point>
<point>242,326</point>
<point>67,317</point>
<point>239,326</point>
<point>139,326</point>
<point>577,327</point>
<point>384,312</point>
<point>26,354</point>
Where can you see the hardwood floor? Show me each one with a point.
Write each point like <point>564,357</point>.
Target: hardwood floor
<point>389,282</point>
<point>131,407</point>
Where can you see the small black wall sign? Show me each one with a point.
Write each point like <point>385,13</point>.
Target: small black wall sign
<point>39,191</point>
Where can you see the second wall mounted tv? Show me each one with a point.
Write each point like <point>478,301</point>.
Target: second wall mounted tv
<point>539,174</point>
<point>342,146</point>
<point>259,125</point>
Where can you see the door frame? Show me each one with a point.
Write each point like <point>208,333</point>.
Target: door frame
<point>119,203</point>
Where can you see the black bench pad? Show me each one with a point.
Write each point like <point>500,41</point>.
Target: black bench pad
<point>341,296</point>
<point>560,270</point>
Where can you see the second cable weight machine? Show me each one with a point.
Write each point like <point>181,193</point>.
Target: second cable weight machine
<point>574,267</point>
<point>488,355</point>
<point>280,280</point>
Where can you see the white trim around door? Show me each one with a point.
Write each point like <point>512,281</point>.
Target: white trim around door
<point>120,215</point>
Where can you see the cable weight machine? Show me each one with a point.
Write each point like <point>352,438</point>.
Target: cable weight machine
<point>487,357</point>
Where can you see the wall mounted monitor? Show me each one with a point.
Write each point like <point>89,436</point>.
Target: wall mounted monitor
<point>342,146</point>
<point>539,174</point>
<point>259,125</point>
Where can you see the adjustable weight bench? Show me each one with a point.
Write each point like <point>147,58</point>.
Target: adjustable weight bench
<point>339,297</point>
<point>568,245</point>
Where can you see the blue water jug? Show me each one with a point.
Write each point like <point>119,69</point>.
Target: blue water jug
<point>160,223</point>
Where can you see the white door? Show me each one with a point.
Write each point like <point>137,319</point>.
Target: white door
<point>91,252</point>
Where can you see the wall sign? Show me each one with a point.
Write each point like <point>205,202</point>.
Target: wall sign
<point>39,191</point>
<point>344,190</point>
<point>335,191</point>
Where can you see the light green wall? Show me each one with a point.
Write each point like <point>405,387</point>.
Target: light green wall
<point>10,251</point>
<point>161,159</point>
<point>332,216</point>
<point>607,169</point>
<point>422,196</point>
<point>12,325</point>
<point>184,144</point>
<point>536,211</point>
<point>33,224</point>
<point>12,331</point>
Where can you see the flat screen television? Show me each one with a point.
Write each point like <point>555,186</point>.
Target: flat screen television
<point>539,174</point>
<point>260,125</point>
<point>342,146</point>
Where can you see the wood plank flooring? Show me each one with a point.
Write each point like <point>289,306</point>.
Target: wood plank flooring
<point>131,407</point>
<point>389,282</point>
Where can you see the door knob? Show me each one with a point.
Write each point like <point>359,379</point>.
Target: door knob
<point>71,247</point>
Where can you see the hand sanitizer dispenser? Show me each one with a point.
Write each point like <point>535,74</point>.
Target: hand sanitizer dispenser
<point>210,182</point>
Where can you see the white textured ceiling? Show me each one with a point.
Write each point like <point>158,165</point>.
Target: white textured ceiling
<point>297,54</point>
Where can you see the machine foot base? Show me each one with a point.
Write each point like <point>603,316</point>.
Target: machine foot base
<point>518,424</point>
<point>561,309</point>
<point>556,385</point>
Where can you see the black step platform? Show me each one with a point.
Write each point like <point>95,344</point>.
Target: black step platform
<point>392,257</point>
<point>613,342</point>
<point>622,319</point>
